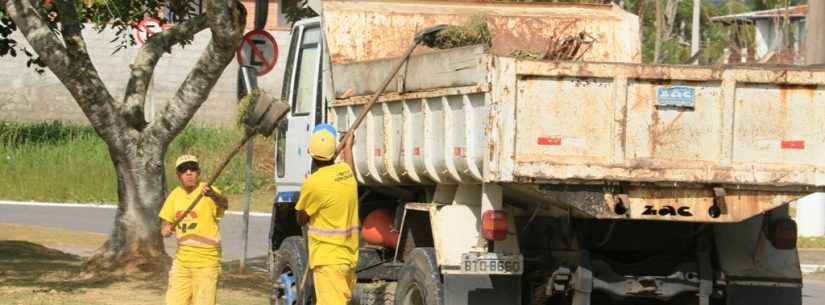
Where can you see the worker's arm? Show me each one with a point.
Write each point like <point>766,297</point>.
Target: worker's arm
<point>346,152</point>
<point>219,199</point>
<point>165,228</point>
<point>306,205</point>
<point>167,216</point>
<point>301,217</point>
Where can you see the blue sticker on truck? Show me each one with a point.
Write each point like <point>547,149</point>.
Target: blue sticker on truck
<point>675,96</point>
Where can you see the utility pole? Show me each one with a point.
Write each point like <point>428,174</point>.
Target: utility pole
<point>694,35</point>
<point>815,33</point>
<point>810,210</point>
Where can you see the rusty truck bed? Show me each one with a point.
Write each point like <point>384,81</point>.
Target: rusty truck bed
<point>467,116</point>
<point>605,137</point>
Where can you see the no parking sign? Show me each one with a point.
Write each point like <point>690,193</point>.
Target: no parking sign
<point>258,50</point>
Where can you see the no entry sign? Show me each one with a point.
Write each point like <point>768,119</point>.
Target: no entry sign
<point>146,28</point>
<point>258,50</point>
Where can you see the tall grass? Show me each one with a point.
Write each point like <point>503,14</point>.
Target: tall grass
<point>69,163</point>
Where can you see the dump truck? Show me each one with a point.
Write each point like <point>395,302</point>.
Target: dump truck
<point>490,177</point>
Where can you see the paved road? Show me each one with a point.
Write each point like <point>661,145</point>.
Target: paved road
<point>813,293</point>
<point>100,219</point>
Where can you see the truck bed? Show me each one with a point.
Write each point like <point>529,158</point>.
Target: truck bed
<point>747,126</point>
<point>467,116</point>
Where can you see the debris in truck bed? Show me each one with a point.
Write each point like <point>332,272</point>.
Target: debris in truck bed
<point>474,31</point>
<point>560,47</point>
<point>244,106</point>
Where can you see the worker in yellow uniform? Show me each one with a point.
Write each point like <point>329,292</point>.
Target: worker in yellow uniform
<point>328,205</point>
<point>193,279</point>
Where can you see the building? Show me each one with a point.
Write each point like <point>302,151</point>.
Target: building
<point>769,36</point>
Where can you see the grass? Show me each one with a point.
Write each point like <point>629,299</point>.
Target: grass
<point>811,242</point>
<point>58,162</point>
<point>33,272</point>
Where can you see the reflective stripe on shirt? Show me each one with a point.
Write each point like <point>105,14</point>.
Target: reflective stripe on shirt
<point>198,240</point>
<point>334,232</point>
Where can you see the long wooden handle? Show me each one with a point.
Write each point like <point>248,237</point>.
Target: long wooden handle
<point>374,98</point>
<point>215,176</point>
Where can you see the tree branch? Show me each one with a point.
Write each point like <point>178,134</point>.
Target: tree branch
<point>144,67</point>
<point>71,31</point>
<point>226,20</point>
<point>79,77</point>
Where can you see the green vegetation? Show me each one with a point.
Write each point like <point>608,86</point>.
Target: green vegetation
<point>811,242</point>
<point>473,32</point>
<point>59,162</point>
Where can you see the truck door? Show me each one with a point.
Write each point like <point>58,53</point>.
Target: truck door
<point>302,88</point>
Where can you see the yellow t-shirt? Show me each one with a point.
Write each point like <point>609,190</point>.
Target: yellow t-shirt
<point>198,234</point>
<point>330,198</point>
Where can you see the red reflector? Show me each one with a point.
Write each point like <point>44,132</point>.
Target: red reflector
<point>549,141</point>
<point>494,225</point>
<point>782,234</point>
<point>793,144</point>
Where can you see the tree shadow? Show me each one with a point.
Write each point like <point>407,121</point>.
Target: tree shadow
<point>26,264</point>
<point>30,265</point>
<point>255,278</point>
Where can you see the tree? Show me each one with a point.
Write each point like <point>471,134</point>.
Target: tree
<point>136,146</point>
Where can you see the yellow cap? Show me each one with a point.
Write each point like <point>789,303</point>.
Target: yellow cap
<point>322,145</point>
<point>185,158</point>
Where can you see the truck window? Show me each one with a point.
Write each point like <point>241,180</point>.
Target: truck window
<point>307,72</point>
<point>280,150</point>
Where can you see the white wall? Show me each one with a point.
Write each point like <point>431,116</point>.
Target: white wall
<point>28,96</point>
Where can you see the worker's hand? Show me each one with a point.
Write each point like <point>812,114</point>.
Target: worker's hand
<point>348,142</point>
<point>208,192</point>
<point>166,229</point>
<point>219,199</point>
<point>346,151</point>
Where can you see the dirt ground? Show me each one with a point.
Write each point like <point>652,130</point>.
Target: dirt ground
<point>34,274</point>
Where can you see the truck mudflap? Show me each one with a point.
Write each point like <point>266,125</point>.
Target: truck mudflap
<point>769,294</point>
<point>476,289</point>
<point>755,272</point>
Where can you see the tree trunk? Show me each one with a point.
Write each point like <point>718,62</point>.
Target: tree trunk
<point>135,244</point>
<point>137,147</point>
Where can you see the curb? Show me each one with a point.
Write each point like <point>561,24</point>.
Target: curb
<point>102,206</point>
<point>810,268</point>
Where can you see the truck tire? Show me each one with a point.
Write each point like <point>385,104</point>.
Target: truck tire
<point>376,293</point>
<point>419,282</point>
<point>287,268</point>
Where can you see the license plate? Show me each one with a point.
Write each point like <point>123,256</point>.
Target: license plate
<point>492,263</point>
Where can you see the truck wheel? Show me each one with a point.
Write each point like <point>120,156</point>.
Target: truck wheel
<point>287,268</point>
<point>419,282</point>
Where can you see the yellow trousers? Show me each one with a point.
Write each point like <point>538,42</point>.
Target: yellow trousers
<point>192,286</point>
<point>333,284</point>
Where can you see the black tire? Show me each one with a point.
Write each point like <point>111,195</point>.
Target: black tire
<point>287,269</point>
<point>419,282</point>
